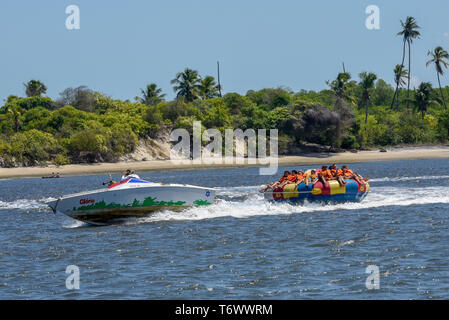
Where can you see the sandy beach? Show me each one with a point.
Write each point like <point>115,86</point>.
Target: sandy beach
<point>392,154</point>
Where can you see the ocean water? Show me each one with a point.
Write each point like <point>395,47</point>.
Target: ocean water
<point>241,247</point>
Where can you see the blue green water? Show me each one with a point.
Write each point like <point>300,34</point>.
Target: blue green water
<point>241,247</point>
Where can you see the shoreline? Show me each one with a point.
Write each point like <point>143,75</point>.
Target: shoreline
<point>392,154</point>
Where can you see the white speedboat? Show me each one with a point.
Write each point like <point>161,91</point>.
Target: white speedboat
<point>130,198</point>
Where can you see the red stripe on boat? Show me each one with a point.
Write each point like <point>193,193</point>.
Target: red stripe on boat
<point>118,183</point>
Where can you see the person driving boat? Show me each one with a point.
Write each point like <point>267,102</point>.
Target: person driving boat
<point>129,174</point>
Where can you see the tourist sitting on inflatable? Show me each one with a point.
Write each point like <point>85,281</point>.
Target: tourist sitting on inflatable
<point>324,175</point>
<point>312,178</point>
<point>306,178</point>
<point>337,174</point>
<point>300,177</point>
<point>291,178</point>
<point>277,183</point>
<point>349,174</point>
<point>285,176</point>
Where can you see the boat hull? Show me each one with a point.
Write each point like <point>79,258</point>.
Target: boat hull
<point>103,206</point>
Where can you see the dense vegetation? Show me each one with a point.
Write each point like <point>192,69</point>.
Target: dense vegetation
<point>86,126</point>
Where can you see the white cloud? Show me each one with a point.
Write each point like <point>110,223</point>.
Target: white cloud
<point>446,34</point>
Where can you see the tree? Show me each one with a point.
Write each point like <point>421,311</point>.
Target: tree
<point>340,88</point>
<point>382,93</point>
<point>443,126</point>
<point>438,59</point>
<point>187,84</point>
<point>321,125</point>
<point>32,102</point>
<point>237,103</point>
<point>423,98</point>
<point>82,98</point>
<point>151,96</point>
<point>217,116</point>
<point>34,88</point>
<point>366,83</point>
<point>409,32</point>
<point>340,85</point>
<point>400,74</point>
<point>33,146</point>
<point>208,88</point>
<point>16,117</point>
<point>270,98</point>
<point>89,144</point>
<point>11,98</point>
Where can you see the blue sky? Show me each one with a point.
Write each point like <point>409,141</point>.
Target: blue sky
<point>123,45</point>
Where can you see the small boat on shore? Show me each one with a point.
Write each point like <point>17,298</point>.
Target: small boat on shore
<point>332,192</point>
<point>130,198</point>
<point>52,176</point>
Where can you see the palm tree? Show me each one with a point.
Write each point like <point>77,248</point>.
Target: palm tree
<point>187,84</point>
<point>151,96</point>
<point>15,115</point>
<point>34,88</point>
<point>340,85</point>
<point>409,32</point>
<point>400,74</point>
<point>343,100</point>
<point>438,56</point>
<point>208,88</point>
<point>366,83</point>
<point>423,98</point>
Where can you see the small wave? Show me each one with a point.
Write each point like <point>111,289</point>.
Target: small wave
<point>75,224</point>
<point>236,191</point>
<point>394,179</point>
<point>25,204</point>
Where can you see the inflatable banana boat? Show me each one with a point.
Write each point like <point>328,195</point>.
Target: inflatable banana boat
<point>332,192</point>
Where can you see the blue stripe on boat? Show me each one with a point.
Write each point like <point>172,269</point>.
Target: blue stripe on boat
<point>137,181</point>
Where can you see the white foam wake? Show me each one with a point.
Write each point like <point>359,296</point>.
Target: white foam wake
<point>255,205</point>
<point>25,204</point>
<point>246,201</point>
<point>394,179</point>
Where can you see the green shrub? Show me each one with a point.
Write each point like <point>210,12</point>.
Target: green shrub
<point>443,126</point>
<point>33,147</point>
<point>154,117</point>
<point>61,160</point>
<point>349,142</point>
<point>34,102</point>
<point>121,140</point>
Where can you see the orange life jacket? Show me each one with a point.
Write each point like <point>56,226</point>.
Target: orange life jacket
<point>326,173</point>
<point>292,177</point>
<point>312,178</point>
<point>348,172</point>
